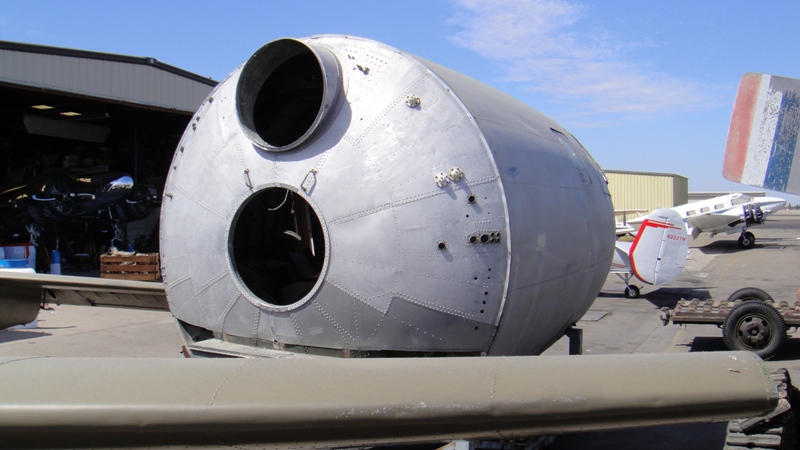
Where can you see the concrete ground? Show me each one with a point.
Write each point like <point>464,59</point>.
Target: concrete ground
<point>614,325</point>
<point>68,330</point>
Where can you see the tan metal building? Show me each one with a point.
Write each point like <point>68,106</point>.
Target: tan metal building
<point>647,190</point>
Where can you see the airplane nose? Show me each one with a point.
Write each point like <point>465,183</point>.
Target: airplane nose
<point>776,206</point>
<point>123,182</point>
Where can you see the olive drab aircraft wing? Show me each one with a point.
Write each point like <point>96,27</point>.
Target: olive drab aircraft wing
<point>21,294</point>
<point>342,216</point>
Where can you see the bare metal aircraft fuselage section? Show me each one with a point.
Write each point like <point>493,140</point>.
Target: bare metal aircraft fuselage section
<point>336,193</point>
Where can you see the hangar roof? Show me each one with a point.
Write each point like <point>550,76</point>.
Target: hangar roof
<point>652,174</point>
<point>126,79</point>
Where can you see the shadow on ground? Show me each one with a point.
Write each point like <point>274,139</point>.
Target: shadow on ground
<point>790,351</point>
<point>718,247</point>
<point>669,297</point>
<point>687,436</point>
<point>20,335</point>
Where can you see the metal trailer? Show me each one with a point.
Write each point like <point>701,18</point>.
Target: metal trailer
<point>750,319</point>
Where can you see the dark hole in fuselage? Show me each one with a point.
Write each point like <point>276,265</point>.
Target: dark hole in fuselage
<point>289,100</point>
<point>278,246</point>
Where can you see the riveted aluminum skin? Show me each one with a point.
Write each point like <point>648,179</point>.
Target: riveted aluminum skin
<point>500,261</point>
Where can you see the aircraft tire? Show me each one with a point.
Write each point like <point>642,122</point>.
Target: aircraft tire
<point>632,291</point>
<point>747,240</point>
<point>756,327</point>
<point>750,293</point>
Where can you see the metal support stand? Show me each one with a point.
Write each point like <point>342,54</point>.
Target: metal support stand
<point>120,235</point>
<point>575,336</point>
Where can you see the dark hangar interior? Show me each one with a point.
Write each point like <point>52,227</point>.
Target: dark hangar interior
<point>85,115</point>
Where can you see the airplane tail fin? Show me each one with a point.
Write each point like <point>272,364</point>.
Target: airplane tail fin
<point>658,252</point>
<point>762,136</point>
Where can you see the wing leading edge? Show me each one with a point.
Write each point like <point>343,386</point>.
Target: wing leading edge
<point>22,293</point>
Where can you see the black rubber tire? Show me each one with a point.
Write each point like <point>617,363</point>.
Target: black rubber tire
<point>756,327</point>
<point>747,240</point>
<point>750,293</point>
<point>632,291</point>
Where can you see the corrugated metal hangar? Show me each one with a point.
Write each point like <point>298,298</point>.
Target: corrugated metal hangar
<point>646,190</point>
<point>81,134</point>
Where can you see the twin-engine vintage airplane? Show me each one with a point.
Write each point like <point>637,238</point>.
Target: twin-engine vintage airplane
<point>38,206</point>
<point>336,204</point>
<point>729,214</point>
<point>656,255</point>
<point>732,213</point>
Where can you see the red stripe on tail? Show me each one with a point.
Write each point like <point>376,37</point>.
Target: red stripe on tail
<point>741,126</point>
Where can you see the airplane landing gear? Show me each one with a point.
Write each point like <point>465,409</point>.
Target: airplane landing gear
<point>632,291</point>
<point>747,240</point>
<point>35,231</point>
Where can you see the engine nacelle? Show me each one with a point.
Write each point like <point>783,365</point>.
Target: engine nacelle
<point>335,194</point>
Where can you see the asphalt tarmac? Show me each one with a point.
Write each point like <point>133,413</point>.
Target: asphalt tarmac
<point>614,325</point>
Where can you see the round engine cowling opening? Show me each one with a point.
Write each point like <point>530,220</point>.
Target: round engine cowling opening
<point>278,247</point>
<point>284,93</point>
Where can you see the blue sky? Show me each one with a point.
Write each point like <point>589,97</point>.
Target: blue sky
<point>646,86</point>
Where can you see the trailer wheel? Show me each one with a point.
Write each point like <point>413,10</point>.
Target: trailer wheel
<point>750,293</point>
<point>754,326</point>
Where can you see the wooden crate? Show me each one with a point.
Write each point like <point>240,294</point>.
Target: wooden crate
<point>139,267</point>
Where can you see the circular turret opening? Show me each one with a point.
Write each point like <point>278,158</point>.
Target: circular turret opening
<point>278,246</point>
<point>284,92</point>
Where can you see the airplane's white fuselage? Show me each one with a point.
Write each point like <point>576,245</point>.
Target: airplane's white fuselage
<point>727,214</point>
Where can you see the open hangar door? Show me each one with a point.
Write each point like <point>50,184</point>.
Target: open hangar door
<point>80,173</point>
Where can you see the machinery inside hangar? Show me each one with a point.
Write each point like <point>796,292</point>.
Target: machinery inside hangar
<point>86,140</point>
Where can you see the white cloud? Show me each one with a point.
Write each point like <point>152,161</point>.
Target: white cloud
<point>545,46</point>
